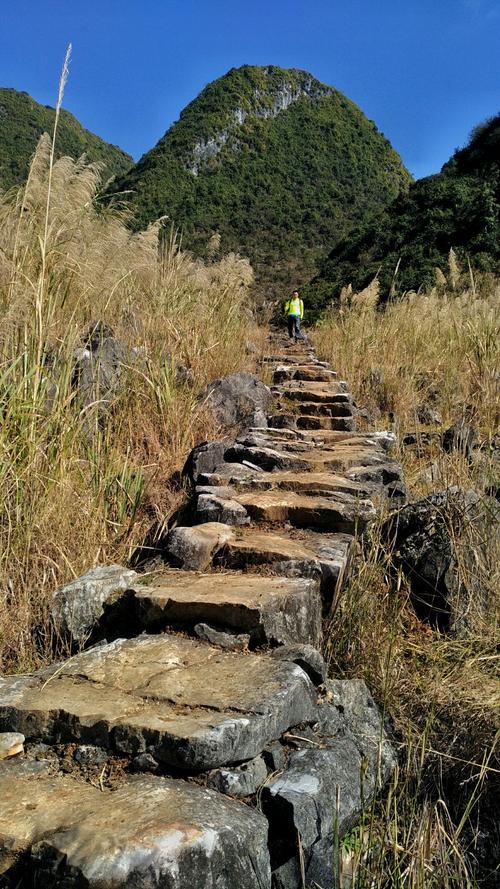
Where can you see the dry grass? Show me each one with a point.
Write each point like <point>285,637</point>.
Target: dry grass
<point>75,491</point>
<point>442,349</point>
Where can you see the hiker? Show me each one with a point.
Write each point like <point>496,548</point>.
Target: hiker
<point>294,311</point>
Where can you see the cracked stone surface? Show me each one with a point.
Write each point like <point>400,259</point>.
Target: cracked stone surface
<point>306,554</point>
<point>239,781</point>
<point>350,758</point>
<point>78,606</point>
<point>340,512</point>
<point>150,832</point>
<point>310,391</point>
<point>273,610</point>
<point>307,372</point>
<point>192,548</point>
<point>192,705</point>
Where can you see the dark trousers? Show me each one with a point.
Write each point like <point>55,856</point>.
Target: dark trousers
<point>293,322</point>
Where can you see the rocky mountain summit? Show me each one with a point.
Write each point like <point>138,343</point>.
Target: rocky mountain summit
<point>198,740</point>
<point>278,163</point>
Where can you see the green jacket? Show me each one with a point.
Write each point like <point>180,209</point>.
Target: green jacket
<point>294,307</point>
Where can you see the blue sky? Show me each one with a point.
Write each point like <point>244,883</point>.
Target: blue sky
<point>426,71</point>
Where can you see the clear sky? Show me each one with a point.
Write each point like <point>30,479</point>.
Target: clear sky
<point>426,71</point>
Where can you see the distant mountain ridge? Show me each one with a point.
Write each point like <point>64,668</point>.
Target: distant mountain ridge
<point>457,208</point>
<point>22,122</point>
<point>281,165</point>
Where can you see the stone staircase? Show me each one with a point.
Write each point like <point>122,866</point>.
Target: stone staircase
<point>200,744</point>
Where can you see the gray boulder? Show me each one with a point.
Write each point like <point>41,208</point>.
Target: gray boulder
<point>239,400</point>
<point>210,508</point>
<point>223,638</point>
<point>78,606</point>
<point>326,786</point>
<point>149,832</point>
<point>435,542</point>
<point>205,458</point>
<point>239,781</point>
<point>98,366</point>
<point>307,657</point>
<point>193,548</point>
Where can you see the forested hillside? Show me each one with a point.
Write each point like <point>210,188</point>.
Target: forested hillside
<point>281,165</point>
<point>404,245</point>
<point>22,122</point>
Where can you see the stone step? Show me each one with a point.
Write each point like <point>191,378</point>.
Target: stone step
<point>303,391</point>
<point>297,554</point>
<point>147,832</point>
<point>302,482</point>
<point>307,372</point>
<point>339,512</point>
<point>339,406</point>
<point>269,610</point>
<point>191,705</point>
<point>337,423</point>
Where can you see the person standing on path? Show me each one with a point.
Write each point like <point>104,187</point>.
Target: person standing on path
<point>294,311</point>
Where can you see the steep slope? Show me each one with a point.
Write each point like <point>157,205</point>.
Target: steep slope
<point>22,122</point>
<point>280,164</point>
<point>459,207</point>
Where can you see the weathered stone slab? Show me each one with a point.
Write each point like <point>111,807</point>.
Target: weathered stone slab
<point>337,423</point>
<point>78,606</point>
<point>267,457</point>
<point>339,406</point>
<point>308,391</point>
<point>273,610</point>
<point>306,554</point>
<point>204,457</point>
<point>239,781</point>
<point>306,656</point>
<point>189,704</point>
<point>306,372</point>
<point>211,508</point>
<point>350,759</point>
<point>149,832</point>
<point>192,548</point>
<point>339,512</point>
<point>301,482</point>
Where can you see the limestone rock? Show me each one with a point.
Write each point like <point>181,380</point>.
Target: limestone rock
<point>307,657</point>
<point>99,366</point>
<point>78,606</point>
<point>211,508</point>
<point>238,400</point>
<point>229,641</point>
<point>459,437</point>
<point>270,610</point>
<point>351,759</point>
<point>306,554</point>
<point>340,512</point>
<point>204,458</point>
<point>193,548</point>
<point>432,545</point>
<point>190,705</point>
<point>148,832</point>
<point>239,781</point>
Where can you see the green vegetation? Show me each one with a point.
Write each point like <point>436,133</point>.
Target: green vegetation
<point>22,122</point>
<point>456,209</point>
<point>278,163</point>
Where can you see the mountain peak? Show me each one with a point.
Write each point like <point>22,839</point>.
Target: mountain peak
<point>279,163</point>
